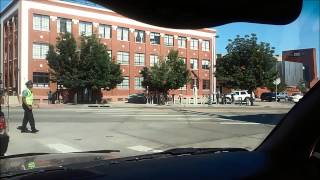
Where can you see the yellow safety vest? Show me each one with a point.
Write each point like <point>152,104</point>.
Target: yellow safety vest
<point>29,97</point>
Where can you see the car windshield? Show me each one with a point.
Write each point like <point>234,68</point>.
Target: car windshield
<point>79,77</point>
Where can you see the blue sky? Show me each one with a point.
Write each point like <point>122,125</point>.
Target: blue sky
<point>300,34</point>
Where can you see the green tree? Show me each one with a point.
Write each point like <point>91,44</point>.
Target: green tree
<point>280,87</point>
<point>302,86</point>
<point>247,64</point>
<point>88,67</point>
<point>165,76</point>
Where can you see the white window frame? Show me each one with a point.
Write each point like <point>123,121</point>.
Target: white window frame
<point>68,25</point>
<point>143,39</point>
<point>122,34</point>
<point>139,59</point>
<point>110,54</point>
<point>42,49</point>
<point>194,44</point>
<point>87,31</point>
<point>138,83</point>
<point>105,31</point>
<point>205,62</point>
<point>40,85</point>
<point>193,65</point>
<point>123,58</point>
<point>152,38</point>
<point>41,22</point>
<point>205,45</point>
<point>182,42</point>
<point>154,59</point>
<point>125,84</point>
<point>168,40</point>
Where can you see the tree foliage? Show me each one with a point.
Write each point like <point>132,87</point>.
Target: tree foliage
<point>165,76</point>
<point>247,64</point>
<point>87,66</point>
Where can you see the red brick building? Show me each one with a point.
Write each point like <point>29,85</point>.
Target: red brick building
<point>29,26</point>
<point>308,58</point>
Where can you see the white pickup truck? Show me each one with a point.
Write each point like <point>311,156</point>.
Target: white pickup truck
<point>242,95</point>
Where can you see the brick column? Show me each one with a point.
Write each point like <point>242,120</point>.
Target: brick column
<point>131,61</point>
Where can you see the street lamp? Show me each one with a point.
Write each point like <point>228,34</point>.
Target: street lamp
<point>213,71</point>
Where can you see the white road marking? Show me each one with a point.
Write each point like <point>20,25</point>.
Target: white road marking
<point>245,123</point>
<point>62,148</point>
<point>154,115</point>
<point>143,149</point>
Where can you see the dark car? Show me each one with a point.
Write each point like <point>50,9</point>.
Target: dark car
<point>268,96</point>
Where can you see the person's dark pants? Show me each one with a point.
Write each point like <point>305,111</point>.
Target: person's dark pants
<point>28,117</point>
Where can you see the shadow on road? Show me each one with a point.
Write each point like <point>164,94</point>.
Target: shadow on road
<point>262,118</point>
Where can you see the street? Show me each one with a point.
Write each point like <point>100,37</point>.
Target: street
<point>136,131</point>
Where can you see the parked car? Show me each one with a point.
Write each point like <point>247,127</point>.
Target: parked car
<point>268,96</point>
<point>295,97</point>
<point>282,96</point>
<point>236,96</point>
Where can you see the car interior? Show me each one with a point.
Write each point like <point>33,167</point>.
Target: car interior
<point>290,151</point>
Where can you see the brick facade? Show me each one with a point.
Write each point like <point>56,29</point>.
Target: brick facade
<point>96,16</point>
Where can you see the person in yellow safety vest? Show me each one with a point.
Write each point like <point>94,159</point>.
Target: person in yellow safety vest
<point>27,101</point>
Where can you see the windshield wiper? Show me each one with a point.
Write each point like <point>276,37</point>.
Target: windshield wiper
<point>181,152</point>
<point>36,154</point>
<point>193,151</point>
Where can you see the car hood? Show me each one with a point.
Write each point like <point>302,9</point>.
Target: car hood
<point>20,164</point>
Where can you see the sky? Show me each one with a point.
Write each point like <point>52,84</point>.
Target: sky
<point>302,33</point>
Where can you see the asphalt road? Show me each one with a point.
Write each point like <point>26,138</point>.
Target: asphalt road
<point>136,131</point>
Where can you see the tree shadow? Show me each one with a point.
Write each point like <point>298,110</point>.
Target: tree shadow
<point>262,118</point>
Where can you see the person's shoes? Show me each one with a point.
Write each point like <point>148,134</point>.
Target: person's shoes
<point>19,127</point>
<point>34,131</point>
<point>25,131</point>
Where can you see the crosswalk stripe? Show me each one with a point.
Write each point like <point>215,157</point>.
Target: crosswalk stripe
<point>143,149</point>
<point>62,148</point>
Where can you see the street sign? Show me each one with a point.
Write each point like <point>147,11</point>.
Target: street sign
<point>277,81</point>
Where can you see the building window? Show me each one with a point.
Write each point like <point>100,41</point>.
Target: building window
<point>193,81</point>
<point>205,84</point>
<point>85,28</point>
<point>168,40</point>
<point>39,51</point>
<point>138,82</point>
<point>205,64</point>
<point>194,44</point>
<point>205,45</point>
<point>104,31</point>
<point>122,34</point>
<point>110,54</point>
<point>124,84</point>
<point>40,22</point>
<point>123,58</point>
<point>154,38</point>
<point>64,25</point>
<point>182,42</point>
<point>139,36</point>
<point>40,79</point>
<point>139,59</point>
<point>194,64</point>
<point>154,59</point>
